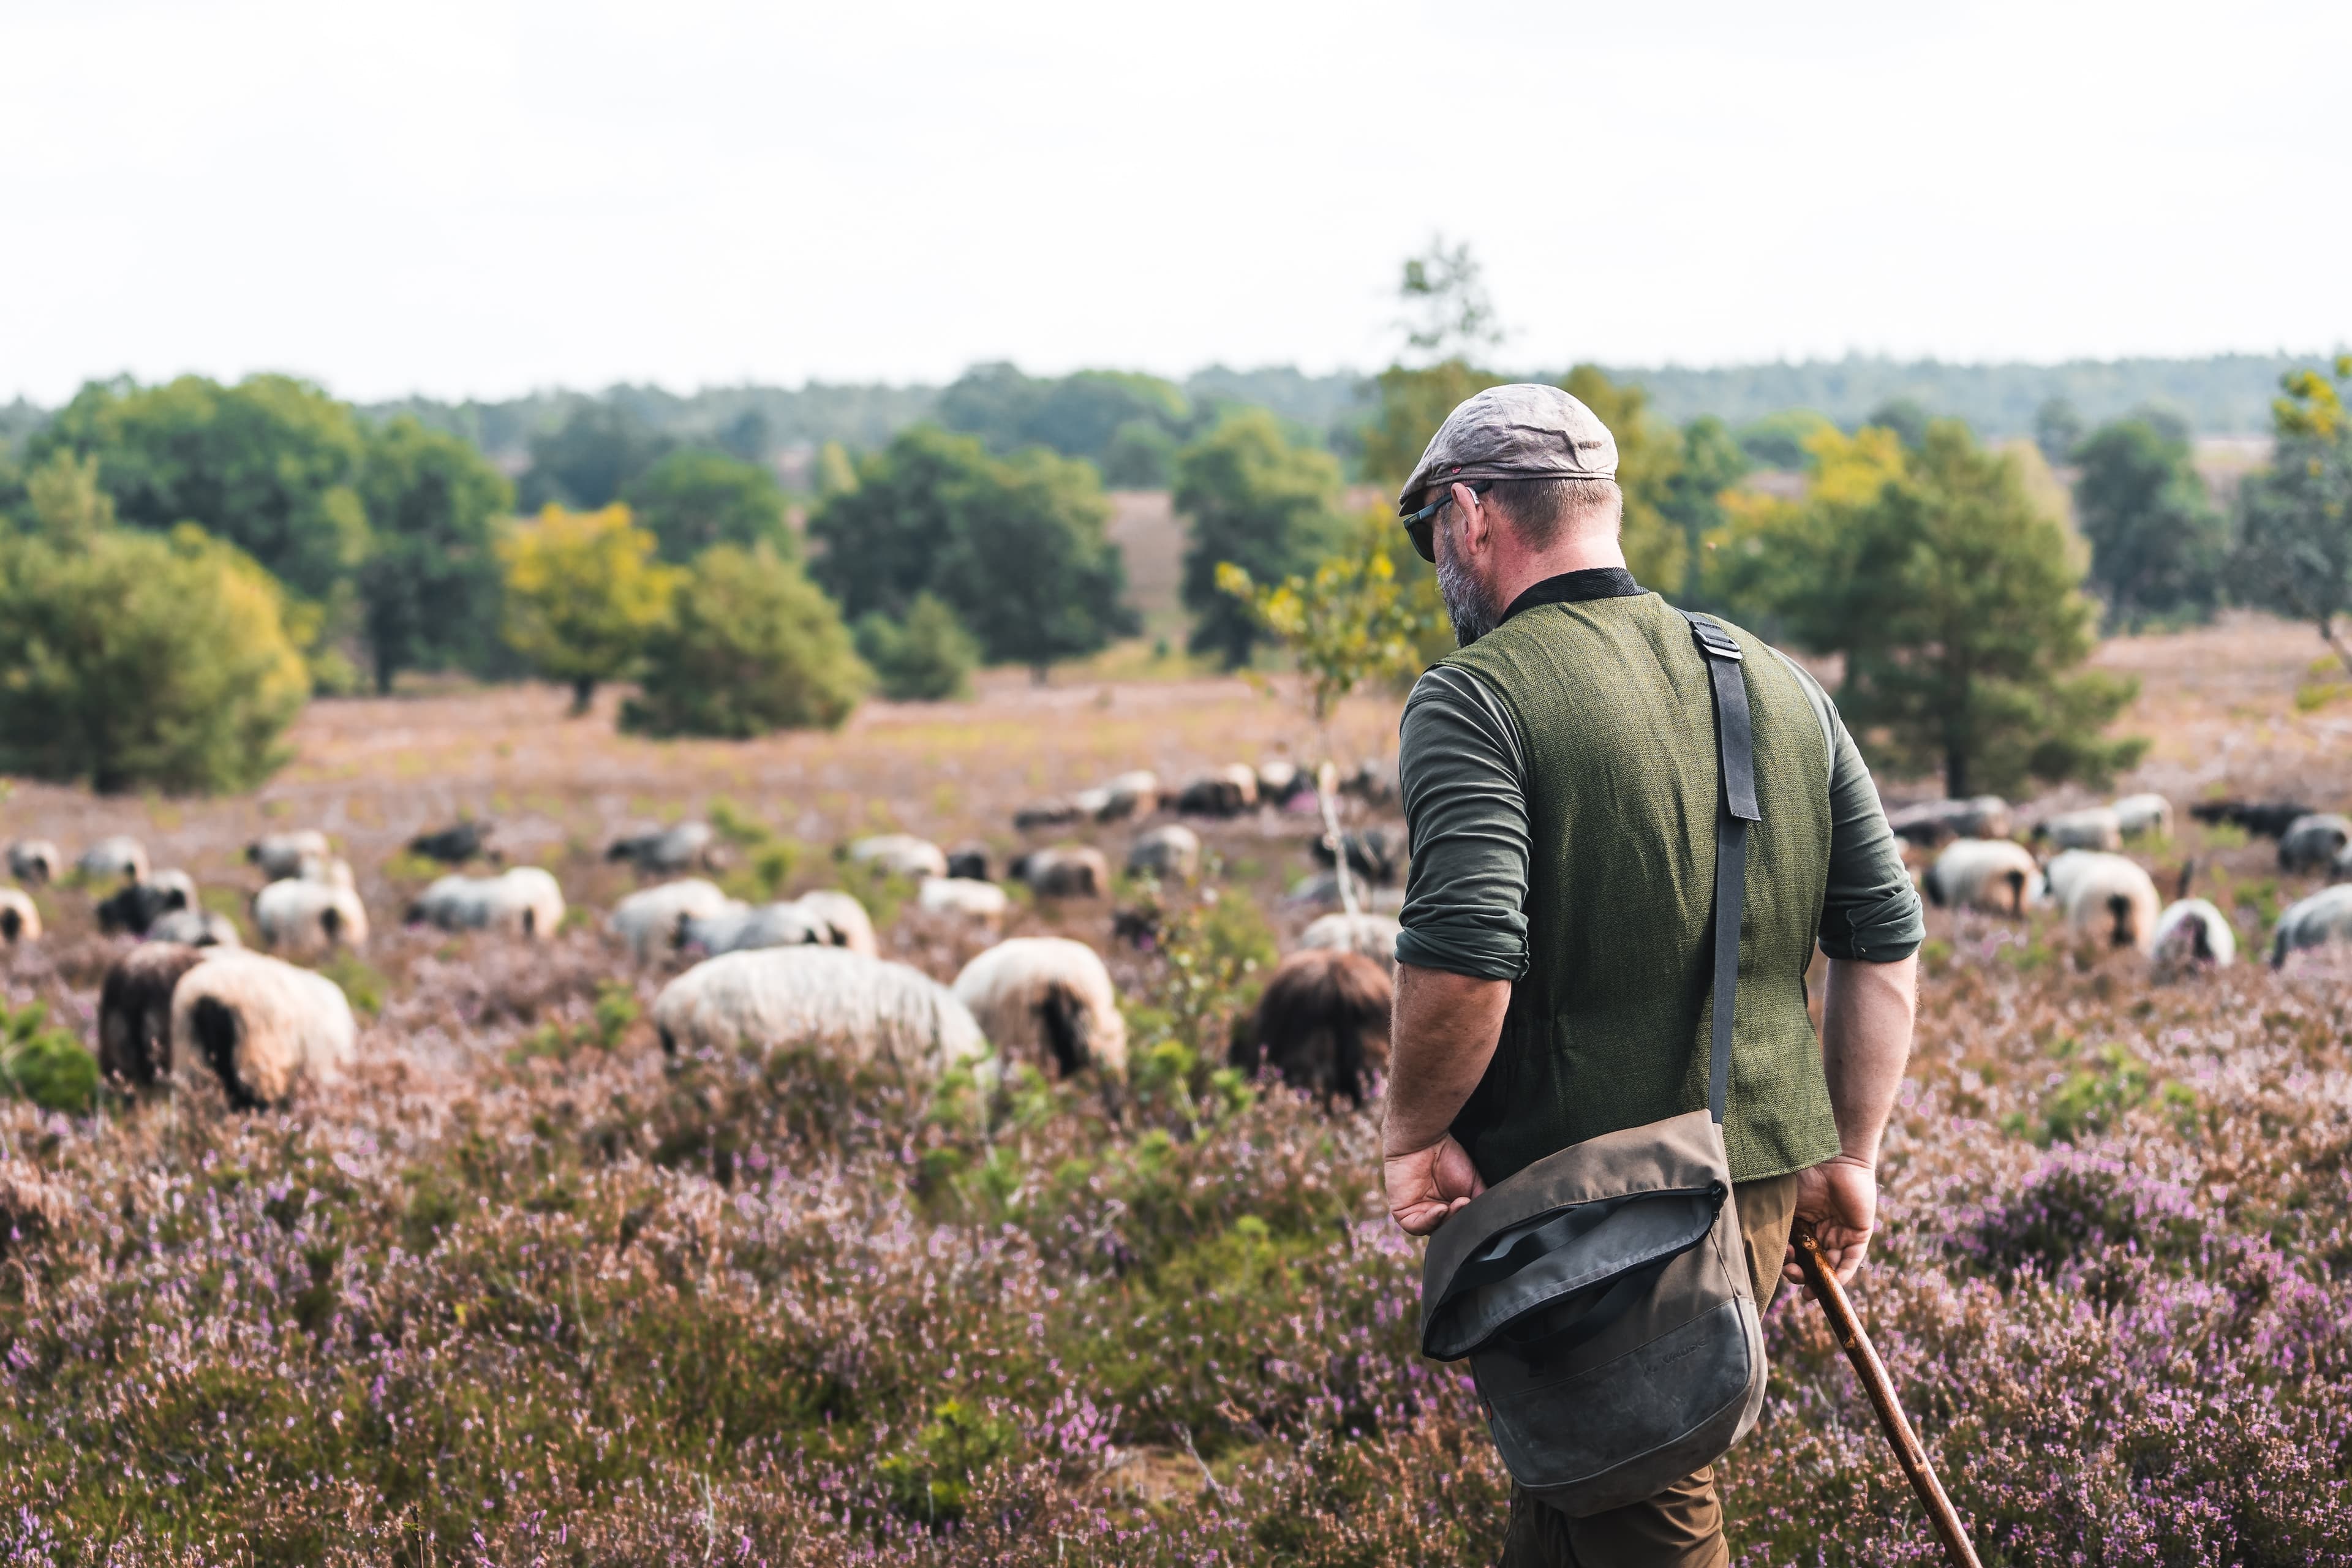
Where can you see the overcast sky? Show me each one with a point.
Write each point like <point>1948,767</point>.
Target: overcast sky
<point>480,198</point>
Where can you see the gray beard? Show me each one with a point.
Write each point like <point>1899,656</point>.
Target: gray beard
<point>1465,601</point>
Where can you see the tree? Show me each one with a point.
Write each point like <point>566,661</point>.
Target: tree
<point>693,500</point>
<point>2294,519</point>
<point>1350,622</point>
<point>1078,416</point>
<point>590,458</point>
<point>750,646</point>
<point>1778,440</point>
<point>268,464</point>
<point>1649,457</point>
<point>1906,416</point>
<point>1447,310</point>
<point>1251,499</point>
<point>926,658</point>
<point>2057,430</point>
<point>2158,543</point>
<point>136,659</point>
<point>429,589</point>
<point>1711,462</point>
<point>1955,604</point>
<point>584,592</point>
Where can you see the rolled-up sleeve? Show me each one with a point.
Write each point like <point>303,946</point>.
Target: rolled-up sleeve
<point>1870,910</point>
<point>1462,773</point>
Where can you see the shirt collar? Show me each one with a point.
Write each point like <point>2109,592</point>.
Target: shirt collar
<point>1574,587</point>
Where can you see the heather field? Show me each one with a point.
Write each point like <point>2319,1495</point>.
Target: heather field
<point>525,1291</point>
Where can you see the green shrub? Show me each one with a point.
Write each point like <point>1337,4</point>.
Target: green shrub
<point>751,646</point>
<point>925,657</point>
<point>46,1066</point>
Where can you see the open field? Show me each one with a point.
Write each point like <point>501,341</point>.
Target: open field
<point>526,1291</point>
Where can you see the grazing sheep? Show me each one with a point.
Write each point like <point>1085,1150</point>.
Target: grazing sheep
<point>1374,855</point>
<point>2138,813</point>
<point>1322,892</point>
<point>648,920</point>
<point>1171,852</point>
<point>1374,936</point>
<point>281,855</point>
<point>34,861</point>
<point>2104,893</point>
<point>667,852</point>
<point>840,920</point>
<point>1068,873</point>
<point>524,902</point>
<point>302,917</point>
<point>2263,819</point>
<point>2191,930</point>
<point>1322,1025</point>
<point>327,870</point>
<point>2318,920</point>
<point>968,863</point>
<point>1130,795</point>
<point>1937,822</point>
<point>135,1011</point>
<point>1047,1001</point>
<point>134,908</point>
<point>1375,783</point>
<point>741,927</point>
<point>19,920</point>
<point>2313,841</point>
<point>456,846</point>
<point>966,896</point>
<point>195,928</point>
<point>260,1025</point>
<point>2093,828</point>
<point>1225,791</point>
<point>1993,875</point>
<point>900,855</point>
<point>1281,781</point>
<point>864,1008</point>
<point>1054,813</point>
<point>119,856</point>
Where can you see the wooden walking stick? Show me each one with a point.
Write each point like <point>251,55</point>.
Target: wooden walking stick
<point>1881,1389</point>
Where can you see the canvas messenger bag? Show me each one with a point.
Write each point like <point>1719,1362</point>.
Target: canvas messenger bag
<point>1601,1294</point>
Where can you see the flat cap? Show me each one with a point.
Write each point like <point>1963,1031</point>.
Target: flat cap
<point>1521,432</point>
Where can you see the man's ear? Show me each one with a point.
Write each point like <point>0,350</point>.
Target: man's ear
<point>1476,521</point>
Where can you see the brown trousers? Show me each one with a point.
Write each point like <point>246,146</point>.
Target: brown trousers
<point>1681,1527</point>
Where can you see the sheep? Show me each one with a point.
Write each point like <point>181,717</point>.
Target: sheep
<point>1322,1025</point>
<point>1993,875</point>
<point>965,896</point>
<point>19,920</point>
<point>2100,892</point>
<point>1055,812</point>
<point>327,870</point>
<point>2191,930</point>
<point>839,920</point>
<point>1170,852</point>
<point>665,853</point>
<point>648,920</point>
<point>1130,795</point>
<point>119,856</point>
<point>1281,781</point>
<point>1373,936</point>
<point>2138,813</point>
<point>456,846</point>
<point>741,928</point>
<point>2093,828</point>
<point>35,861</point>
<point>1937,822</point>
<point>2313,841</point>
<point>1047,1001</point>
<point>308,917</point>
<point>1374,855</point>
<point>134,1012</point>
<point>281,855</point>
<point>1375,783</point>
<point>2322,919</point>
<point>1322,892</point>
<point>968,863</point>
<point>195,928</point>
<point>1073,872</point>
<point>867,1009</point>
<point>141,904</point>
<point>260,1025</point>
<point>2263,819</point>
<point>525,901</point>
<point>1225,791</point>
<point>900,855</point>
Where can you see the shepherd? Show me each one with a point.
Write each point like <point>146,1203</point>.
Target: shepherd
<point>1594,784</point>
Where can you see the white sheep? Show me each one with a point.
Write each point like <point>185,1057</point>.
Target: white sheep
<point>2194,931</point>
<point>295,916</point>
<point>2322,919</point>
<point>327,871</point>
<point>1132,794</point>
<point>964,896</point>
<point>2138,813</point>
<point>866,1009</point>
<point>1072,872</point>
<point>262,1025</point>
<point>668,851</point>
<point>2093,828</point>
<point>1373,935</point>
<point>1228,790</point>
<point>840,920</point>
<point>35,861</point>
<point>119,855</point>
<point>648,920</point>
<point>524,902</point>
<point>2106,894</point>
<point>280,855</point>
<point>2313,841</point>
<point>1171,852</point>
<point>900,855</point>
<point>1993,875</point>
<point>19,920</point>
<point>195,928</point>
<point>744,927</point>
<point>1047,1001</point>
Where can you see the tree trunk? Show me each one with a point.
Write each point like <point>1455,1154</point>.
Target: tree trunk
<point>1955,774</point>
<point>2343,649</point>
<point>386,669</point>
<point>1038,674</point>
<point>583,693</point>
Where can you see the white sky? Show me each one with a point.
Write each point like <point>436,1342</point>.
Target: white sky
<point>483,198</point>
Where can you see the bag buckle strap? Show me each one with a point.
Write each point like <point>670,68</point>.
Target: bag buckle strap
<point>1735,745</point>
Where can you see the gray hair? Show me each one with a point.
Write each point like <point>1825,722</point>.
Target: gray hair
<point>1542,509</point>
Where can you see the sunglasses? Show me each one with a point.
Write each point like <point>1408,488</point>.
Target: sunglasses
<point>1420,527</point>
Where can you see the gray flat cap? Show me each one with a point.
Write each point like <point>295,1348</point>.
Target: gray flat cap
<point>1518,432</point>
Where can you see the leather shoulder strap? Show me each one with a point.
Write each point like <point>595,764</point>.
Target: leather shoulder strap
<point>1735,745</point>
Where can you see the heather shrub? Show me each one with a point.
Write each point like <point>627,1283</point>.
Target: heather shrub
<point>46,1066</point>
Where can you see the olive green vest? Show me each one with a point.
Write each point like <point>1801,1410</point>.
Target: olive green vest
<point>1609,1027</point>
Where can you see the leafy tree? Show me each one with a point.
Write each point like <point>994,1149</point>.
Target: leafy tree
<point>136,659</point>
<point>1255,501</point>
<point>1349,622</point>
<point>835,474</point>
<point>748,437</point>
<point>1778,440</point>
<point>1906,416</point>
<point>269,465</point>
<point>590,458</point>
<point>2295,521</point>
<point>429,590</point>
<point>1711,462</point>
<point>1956,604</point>
<point>879,540</point>
<point>693,500</point>
<point>1078,416</point>
<point>1140,456</point>
<point>750,646</point>
<point>2057,430</point>
<point>926,658</point>
<point>1649,458</point>
<point>2157,545</point>
<point>1447,310</point>
<point>584,592</point>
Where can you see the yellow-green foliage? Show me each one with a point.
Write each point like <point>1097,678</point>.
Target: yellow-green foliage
<point>584,592</point>
<point>44,1064</point>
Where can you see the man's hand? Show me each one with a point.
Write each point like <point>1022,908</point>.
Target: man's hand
<point>1840,1196</point>
<point>1427,1185</point>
